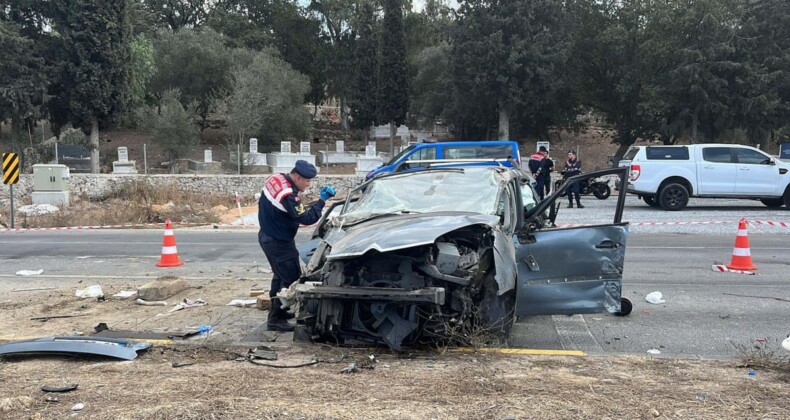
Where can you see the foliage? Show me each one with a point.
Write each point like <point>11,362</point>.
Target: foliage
<point>511,57</point>
<point>196,62</point>
<point>432,86</point>
<point>142,68</point>
<point>266,101</point>
<point>177,14</point>
<point>22,78</point>
<point>175,128</point>
<point>94,73</point>
<point>365,82</point>
<point>394,89</point>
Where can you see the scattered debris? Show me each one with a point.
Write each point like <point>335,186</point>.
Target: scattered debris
<point>33,289</point>
<point>123,294</point>
<point>654,351</point>
<point>263,302</point>
<point>103,331</point>
<point>351,368</point>
<point>51,399</point>
<point>256,293</point>
<point>162,288</point>
<point>264,270</point>
<point>786,344</point>
<point>64,388</point>
<point>182,364</point>
<point>242,302</point>
<point>110,347</point>
<point>188,303</point>
<point>720,268</point>
<point>151,303</point>
<point>265,353</point>
<point>724,316</point>
<point>78,407</point>
<point>29,272</point>
<point>655,298</point>
<point>90,292</point>
<point>47,318</point>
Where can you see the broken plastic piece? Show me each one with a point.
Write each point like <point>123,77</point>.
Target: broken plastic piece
<point>655,298</point>
<point>654,351</point>
<point>242,302</point>
<point>151,302</point>
<point>110,347</point>
<point>123,294</point>
<point>89,292</point>
<point>188,303</point>
<point>65,388</point>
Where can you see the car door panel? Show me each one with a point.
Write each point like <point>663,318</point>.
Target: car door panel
<point>572,270</point>
<point>716,172</point>
<point>756,175</point>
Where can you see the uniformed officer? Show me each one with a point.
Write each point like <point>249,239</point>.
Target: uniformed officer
<point>280,212</point>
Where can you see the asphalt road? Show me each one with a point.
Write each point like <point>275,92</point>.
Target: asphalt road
<point>703,314</point>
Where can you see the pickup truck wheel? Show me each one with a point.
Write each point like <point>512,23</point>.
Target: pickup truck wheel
<point>786,198</point>
<point>673,197</point>
<point>772,202</point>
<point>650,200</point>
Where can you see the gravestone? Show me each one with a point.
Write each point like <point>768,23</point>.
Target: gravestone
<point>340,146</point>
<point>207,156</point>
<point>304,147</point>
<point>253,145</point>
<point>285,147</point>
<point>123,165</point>
<point>284,160</point>
<point>370,149</point>
<point>369,161</point>
<point>207,166</point>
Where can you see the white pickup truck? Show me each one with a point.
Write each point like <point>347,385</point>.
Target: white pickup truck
<point>666,176</point>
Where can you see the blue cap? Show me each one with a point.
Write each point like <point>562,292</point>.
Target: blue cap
<point>305,169</point>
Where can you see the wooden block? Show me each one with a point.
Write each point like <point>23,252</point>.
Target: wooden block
<point>263,303</point>
<point>162,288</point>
<point>254,293</point>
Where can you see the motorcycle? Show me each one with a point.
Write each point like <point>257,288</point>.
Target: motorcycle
<point>600,189</point>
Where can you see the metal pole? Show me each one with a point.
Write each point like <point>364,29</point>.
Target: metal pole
<point>238,158</point>
<point>12,206</point>
<point>145,159</point>
<point>56,151</point>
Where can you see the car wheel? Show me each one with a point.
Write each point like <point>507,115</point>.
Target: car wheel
<point>673,197</point>
<point>650,200</point>
<point>772,202</point>
<point>496,312</point>
<point>786,198</point>
<point>602,191</point>
<point>625,307</point>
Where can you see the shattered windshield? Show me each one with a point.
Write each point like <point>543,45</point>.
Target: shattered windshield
<point>471,190</point>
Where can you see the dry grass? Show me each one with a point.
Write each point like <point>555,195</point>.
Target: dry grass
<point>420,385</point>
<point>767,354</point>
<point>134,202</point>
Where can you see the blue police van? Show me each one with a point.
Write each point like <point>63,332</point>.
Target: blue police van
<point>503,152</point>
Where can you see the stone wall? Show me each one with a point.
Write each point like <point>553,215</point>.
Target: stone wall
<point>97,186</point>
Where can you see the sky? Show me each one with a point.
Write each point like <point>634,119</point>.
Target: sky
<point>418,5</point>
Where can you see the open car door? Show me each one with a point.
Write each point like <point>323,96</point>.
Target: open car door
<point>572,267</point>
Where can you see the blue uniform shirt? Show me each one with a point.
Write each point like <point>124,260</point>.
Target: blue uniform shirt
<point>280,209</point>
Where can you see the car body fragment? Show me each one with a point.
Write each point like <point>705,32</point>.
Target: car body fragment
<point>110,347</point>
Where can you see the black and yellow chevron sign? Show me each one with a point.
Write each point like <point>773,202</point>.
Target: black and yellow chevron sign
<point>10,168</point>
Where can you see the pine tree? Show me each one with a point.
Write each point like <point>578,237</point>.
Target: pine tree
<point>394,89</point>
<point>363,103</point>
<point>94,72</point>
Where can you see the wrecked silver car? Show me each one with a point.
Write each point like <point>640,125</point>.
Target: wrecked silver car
<point>421,257</point>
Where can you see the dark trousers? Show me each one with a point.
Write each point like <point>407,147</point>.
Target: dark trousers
<point>284,260</point>
<point>573,191</point>
<point>542,184</point>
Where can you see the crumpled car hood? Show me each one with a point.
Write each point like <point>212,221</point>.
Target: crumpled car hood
<point>399,232</point>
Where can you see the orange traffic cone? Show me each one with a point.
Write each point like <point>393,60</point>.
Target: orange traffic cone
<point>169,251</point>
<point>741,255</point>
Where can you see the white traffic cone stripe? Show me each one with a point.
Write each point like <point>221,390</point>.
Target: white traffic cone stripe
<point>168,250</point>
<point>741,232</point>
<point>741,252</point>
<point>169,232</point>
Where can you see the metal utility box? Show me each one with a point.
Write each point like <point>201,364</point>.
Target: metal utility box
<point>47,177</point>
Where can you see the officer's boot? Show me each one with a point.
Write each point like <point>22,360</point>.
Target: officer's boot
<point>277,319</point>
<point>579,203</point>
<point>570,201</point>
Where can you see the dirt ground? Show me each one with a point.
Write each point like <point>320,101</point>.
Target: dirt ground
<point>428,383</point>
<point>420,385</point>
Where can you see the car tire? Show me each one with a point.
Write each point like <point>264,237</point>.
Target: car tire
<point>602,191</point>
<point>650,200</point>
<point>625,307</point>
<point>673,197</point>
<point>495,313</point>
<point>786,198</point>
<point>772,202</point>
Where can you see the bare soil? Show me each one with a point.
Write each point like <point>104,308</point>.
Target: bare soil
<point>419,385</point>
<point>430,383</point>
